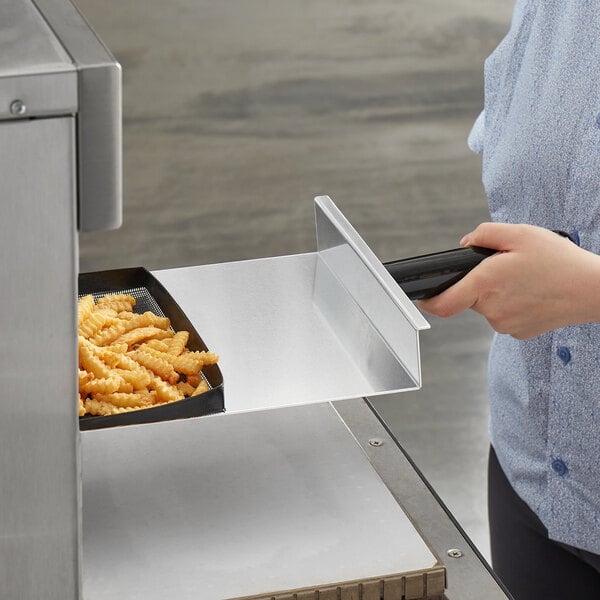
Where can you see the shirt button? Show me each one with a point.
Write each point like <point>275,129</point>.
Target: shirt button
<point>564,354</point>
<point>559,467</point>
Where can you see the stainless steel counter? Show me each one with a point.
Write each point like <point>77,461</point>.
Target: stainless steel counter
<point>469,577</point>
<point>230,506</point>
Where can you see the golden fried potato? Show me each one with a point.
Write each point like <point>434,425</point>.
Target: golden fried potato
<point>85,306</point>
<point>101,385</point>
<point>128,400</point>
<point>178,343</point>
<point>157,365</point>
<point>135,336</point>
<point>130,361</point>
<point>202,387</point>
<point>117,302</point>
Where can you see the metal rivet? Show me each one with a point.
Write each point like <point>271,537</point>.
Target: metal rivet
<point>454,553</point>
<point>17,107</point>
<point>376,442</point>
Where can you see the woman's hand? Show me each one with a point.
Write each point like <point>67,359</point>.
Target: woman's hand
<point>538,281</point>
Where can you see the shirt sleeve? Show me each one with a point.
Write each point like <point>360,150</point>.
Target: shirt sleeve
<point>476,136</point>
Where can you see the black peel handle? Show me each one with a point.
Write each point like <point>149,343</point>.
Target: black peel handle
<point>429,275</point>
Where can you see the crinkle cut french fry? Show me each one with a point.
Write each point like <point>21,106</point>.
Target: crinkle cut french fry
<point>119,307</point>
<point>146,319</point>
<point>157,365</point>
<point>85,306</point>
<point>109,357</point>
<point>126,315</point>
<point>126,362</point>
<point>178,343</point>
<point>143,333</point>
<point>202,387</point>
<point>97,408</point>
<point>185,388</point>
<point>131,361</point>
<point>110,298</point>
<point>125,387</point>
<point>131,400</point>
<point>102,385</point>
<point>193,380</point>
<point>85,376</point>
<point>138,378</point>
<point>209,358</point>
<point>107,336</point>
<point>165,392</point>
<point>94,323</point>
<point>160,322</point>
<point>160,345</point>
<point>116,348</point>
<point>89,361</point>
<point>119,328</point>
<point>118,302</point>
<point>189,363</point>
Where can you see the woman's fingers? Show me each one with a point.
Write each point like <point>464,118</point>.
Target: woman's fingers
<point>497,236</point>
<point>457,298</point>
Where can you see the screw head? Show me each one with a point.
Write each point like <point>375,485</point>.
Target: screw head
<point>376,442</point>
<point>454,553</point>
<point>17,107</point>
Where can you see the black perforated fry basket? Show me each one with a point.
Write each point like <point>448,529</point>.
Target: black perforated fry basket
<point>151,295</point>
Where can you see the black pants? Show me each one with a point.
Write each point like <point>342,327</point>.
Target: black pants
<point>530,565</point>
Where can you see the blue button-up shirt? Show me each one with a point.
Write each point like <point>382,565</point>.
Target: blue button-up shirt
<point>539,137</point>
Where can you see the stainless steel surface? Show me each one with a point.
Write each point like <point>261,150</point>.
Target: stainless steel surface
<point>99,116</point>
<point>299,329</point>
<point>39,468</point>
<point>27,44</point>
<point>386,307</point>
<point>34,68</point>
<point>46,166</point>
<point>468,578</point>
<point>222,507</point>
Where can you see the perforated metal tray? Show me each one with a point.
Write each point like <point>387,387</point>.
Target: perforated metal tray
<point>151,295</point>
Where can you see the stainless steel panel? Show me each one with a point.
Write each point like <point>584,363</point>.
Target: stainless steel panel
<point>367,349</point>
<point>39,468</point>
<point>38,96</point>
<point>99,133</point>
<point>274,345</point>
<point>99,116</point>
<point>384,304</point>
<point>27,45</point>
<point>221,507</point>
<point>297,329</point>
<point>34,68</point>
<point>52,63</point>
